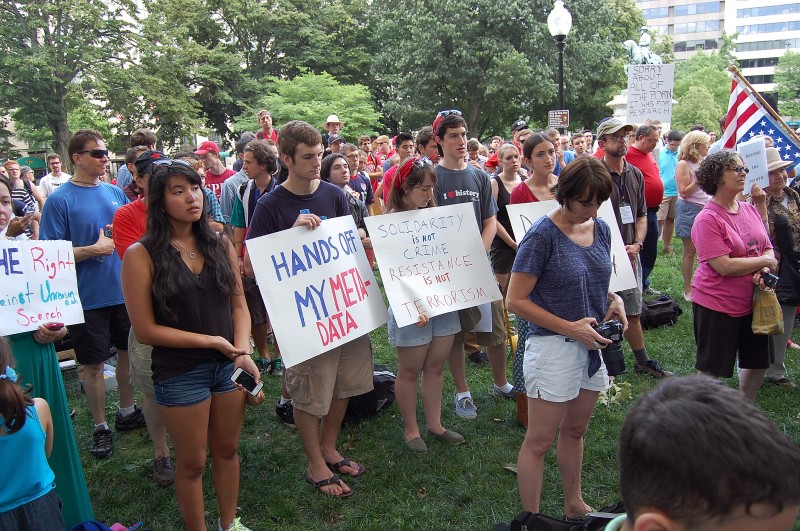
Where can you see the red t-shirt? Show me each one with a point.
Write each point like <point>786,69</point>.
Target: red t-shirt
<point>388,177</point>
<point>130,224</point>
<point>522,194</point>
<point>273,135</point>
<point>214,181</point>
<point>653,186</point>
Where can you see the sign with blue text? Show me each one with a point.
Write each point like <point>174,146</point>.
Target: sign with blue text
<point>318,287</point>
<point>432,260</point>
<point>38,285</point>
<point>524,214</point>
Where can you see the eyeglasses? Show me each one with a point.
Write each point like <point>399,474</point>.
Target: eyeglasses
<point>95,153</point>
<point>619,138</point>
<point>448,113</point>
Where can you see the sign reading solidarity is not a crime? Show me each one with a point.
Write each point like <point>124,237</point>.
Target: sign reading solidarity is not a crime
<point>432,260</point>
<point>318,287</point>
<point>523,215</point>
<point>38,285</point>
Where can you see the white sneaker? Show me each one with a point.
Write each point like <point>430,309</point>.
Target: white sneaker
<point>236,525</point>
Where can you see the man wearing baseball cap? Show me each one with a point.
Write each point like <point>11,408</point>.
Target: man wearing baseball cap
<point>332,125</point>
<point>216,172</point>
<point>627,199</point>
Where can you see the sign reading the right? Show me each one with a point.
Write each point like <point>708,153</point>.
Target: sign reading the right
<point>650,90</point>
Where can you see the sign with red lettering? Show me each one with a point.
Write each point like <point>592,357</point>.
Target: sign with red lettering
<point>432,260</point>
<point>38,285</point>
<point>318,287</point>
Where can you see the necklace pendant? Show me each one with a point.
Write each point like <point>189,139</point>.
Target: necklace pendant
<point>192,256</point>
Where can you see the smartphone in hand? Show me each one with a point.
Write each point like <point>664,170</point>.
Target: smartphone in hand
<point>54,327</point>
<point>246,380</point>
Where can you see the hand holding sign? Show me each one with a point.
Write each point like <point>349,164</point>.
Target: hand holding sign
<point>754,156</point>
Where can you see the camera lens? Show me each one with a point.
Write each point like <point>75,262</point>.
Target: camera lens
<point>614,359</point>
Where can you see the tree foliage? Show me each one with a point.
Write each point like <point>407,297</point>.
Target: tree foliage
<point>787,78</point>
<point>696,106</point>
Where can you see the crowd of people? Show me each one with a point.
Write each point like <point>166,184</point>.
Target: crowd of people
<point>168,286</point>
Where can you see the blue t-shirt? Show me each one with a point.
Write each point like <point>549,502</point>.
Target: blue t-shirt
<point>361,184</point>
<point>469,185</point>
<point>569,156</point>
<point>124,176</point>
<point>77,213</point>
<point>572,280</point>
<point>667,162</point>
<point>278,210</point>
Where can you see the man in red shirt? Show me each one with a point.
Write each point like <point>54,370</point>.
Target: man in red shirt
<point>640,154</point>
<point>267,131</point>
<point>216,172</point>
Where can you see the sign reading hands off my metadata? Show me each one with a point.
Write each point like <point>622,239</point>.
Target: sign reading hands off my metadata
<point>318,287</point>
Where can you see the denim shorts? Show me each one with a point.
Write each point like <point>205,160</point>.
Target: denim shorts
<point>446,324</point>
<point>195,386</point>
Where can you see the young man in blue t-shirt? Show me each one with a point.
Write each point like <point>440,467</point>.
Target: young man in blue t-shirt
<point>319,387</point>
<point>460,182</point>
<point>82,211</point>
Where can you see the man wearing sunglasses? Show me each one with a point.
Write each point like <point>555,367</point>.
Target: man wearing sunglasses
<point>82,212</point>
<point>627,199</point>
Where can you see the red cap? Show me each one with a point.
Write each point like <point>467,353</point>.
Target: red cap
<point>207,146</point>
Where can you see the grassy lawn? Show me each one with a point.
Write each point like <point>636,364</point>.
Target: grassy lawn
<point>464,487</point>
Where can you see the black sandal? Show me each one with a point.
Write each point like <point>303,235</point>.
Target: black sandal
<point>337,468</point>
<point>333,480</point>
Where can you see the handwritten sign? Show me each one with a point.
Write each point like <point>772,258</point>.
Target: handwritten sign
<point>622,276</point>
<point>650,90</point>
<point>39,285</point>
<point>318,287</point>
<point>754,155</point>
<point>432,260</point>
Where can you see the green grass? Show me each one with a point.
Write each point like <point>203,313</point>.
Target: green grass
<point>464,487</point>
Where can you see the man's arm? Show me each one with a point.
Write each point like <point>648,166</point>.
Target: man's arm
<point>489,231</point>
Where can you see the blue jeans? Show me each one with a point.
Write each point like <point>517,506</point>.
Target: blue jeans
<point>650,247</point>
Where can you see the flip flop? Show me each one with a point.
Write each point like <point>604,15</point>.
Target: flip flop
<point>333,480</point>
<point>337,468</point>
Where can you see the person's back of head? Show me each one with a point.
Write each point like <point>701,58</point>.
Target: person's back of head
<point>143,137</point>
<point>699,455</point>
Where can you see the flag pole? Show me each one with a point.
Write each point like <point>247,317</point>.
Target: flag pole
<point>735,71</point>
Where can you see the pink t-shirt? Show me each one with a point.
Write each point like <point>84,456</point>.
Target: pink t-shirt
<point>717,232</point>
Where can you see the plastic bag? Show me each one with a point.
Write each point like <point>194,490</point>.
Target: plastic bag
<point>767,315</point>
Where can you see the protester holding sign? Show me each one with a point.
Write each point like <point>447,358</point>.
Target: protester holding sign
<point>184,294</point>
<point>560,284</point>
<point>734,250</point>
<point>322,385</point>
<point>422,348</point>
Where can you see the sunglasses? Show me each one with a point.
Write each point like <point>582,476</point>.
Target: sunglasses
<point>95,153</point>
<point>740,169</point>
<point>405,170</point>
<point>172,162</point>
<point>448,113</point>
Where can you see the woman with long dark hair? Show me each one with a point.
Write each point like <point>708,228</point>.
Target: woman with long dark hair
<point>184,296</point>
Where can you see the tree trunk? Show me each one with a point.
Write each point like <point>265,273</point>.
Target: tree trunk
<point>60,130</point>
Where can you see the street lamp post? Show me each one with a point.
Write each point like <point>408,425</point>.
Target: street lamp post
<point>559,22</point>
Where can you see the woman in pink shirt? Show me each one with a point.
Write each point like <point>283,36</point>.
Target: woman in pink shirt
<point>734,250</point>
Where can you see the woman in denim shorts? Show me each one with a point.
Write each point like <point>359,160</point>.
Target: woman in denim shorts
<point>184,296</point>
<point>423,347</point>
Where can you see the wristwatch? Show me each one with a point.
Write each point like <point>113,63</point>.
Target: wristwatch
<point>640,244</point>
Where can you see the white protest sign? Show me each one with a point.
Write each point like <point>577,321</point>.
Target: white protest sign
<point>754,155</point>
<point>318,288</point>
<point>38,285</point>
<point>432,260</point>
<point>650,90</point>
<point>622,277</point>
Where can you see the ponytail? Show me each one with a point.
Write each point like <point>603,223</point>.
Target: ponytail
<point>13,400</point>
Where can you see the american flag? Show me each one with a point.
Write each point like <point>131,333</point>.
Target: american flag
<point>749,115</point>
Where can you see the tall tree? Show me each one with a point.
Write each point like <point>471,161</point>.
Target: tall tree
<point>787,78</point>
<point>696,106</point>
<point>45,46</point>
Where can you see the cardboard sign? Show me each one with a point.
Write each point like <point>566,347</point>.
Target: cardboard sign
<point>432,260</point>
<point>38,285</point>
<point>318,288</point>
<point>650,90</point>
<point>754,155</point>
<point>622,277</point>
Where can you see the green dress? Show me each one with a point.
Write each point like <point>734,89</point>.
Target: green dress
<point>38,365</point>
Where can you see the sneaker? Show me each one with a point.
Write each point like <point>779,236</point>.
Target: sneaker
<point>465,408</point>
<point>134,421</point>
<point>650,291</point>
<point>652,368</point>
<point>510,395</point>
<point>285,412</point>
<point>478,358</point>
<point>236,525</point>
<point>784,382</point>
<point>263,365</point>
<point>102,443</point>
<point>687,297</point>
<point>163,471</point>
<point>276,367</point>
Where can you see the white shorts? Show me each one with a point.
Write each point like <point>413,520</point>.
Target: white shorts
<point>556,370</point>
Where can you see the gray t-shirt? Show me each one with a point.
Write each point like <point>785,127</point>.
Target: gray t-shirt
<point>572,280</point>
<point>469,185</point>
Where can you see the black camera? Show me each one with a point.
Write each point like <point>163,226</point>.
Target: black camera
<point>612,354</point>
<point>770,280</point>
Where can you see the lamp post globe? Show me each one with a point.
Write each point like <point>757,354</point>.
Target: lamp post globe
<point>559,22</point>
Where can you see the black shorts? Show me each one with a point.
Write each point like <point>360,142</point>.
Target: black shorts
<point>502,258</point>
<point>719,337</point>
<point>258,312</point>
<point>102,328</point>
